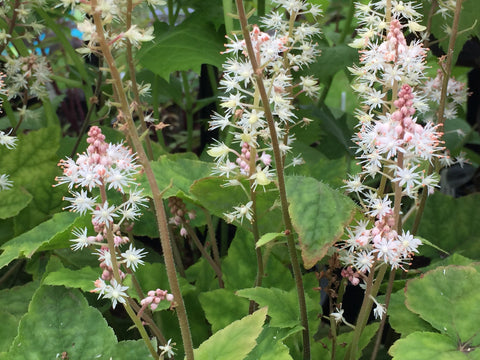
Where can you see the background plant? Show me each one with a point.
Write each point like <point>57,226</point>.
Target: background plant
<point>169,63</point>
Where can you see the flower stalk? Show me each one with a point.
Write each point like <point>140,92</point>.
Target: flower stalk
<point>280,178</point>
<point>162,222</point>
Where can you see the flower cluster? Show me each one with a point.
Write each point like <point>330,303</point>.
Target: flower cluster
<point>284,49</point>
<point>27,75</point>
<point>154,297</point>
<point>6,140</point>
<point>180,215</point>
<point>456,93</point>
<point>101,168</point>
<point>391,141</point>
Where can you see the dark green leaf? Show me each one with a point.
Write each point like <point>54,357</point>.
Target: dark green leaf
<point>185,47</point>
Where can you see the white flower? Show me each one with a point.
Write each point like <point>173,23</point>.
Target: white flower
<point>167,349</point>
<point>133,257</point>
<point>115,292</point>
<point>219,152</point>
<point>82,240</point>
<point>104,214</point>
<point>241,212</point>
<point>379,309</point>
<point>7,140</point>
<point>5,184</point>
<point>81,202</point>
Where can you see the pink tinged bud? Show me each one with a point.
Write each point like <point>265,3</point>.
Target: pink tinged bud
<point>355,281</point>
<point>106,275</point>
<point>398,130</point>
<point>117,240</point>
<point>153,306</point>
<point>157,300</point>
<point>362,240</point>
<point>183,232</point>
<point>192,215</point>
<point>266,158</point>
<point>169,297</point>
<point>375,231</point>
<point>151,293</point>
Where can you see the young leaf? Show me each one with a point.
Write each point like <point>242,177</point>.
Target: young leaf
<point>222,307</point>
<point>235,341</point>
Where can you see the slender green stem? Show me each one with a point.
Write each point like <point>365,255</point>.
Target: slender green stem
<point>133,79</point>
<point>348,22</point>
<point>211,235</point>
<point>281,180</point>
<point>86,121</point>
<point>205,254</point>
<point>116,276</point>
<point>227,18</point>
<point>125,114</point>
<point>261,7</point>
<point>188,110</point>
<point>378,340</point>
<point>370,291</point>
<point>156,107</point>
<point>447,69</point>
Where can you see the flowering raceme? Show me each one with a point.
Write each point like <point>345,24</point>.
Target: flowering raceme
<point>286,48</point>
<point>391,142</point>
<point>105,167</point>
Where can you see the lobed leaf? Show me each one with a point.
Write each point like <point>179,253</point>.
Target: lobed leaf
<point>426,346</point>
<point>319,215</point>
<point>456,288</point>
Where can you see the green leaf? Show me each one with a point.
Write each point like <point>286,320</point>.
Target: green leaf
<point>83,278</point>
<point>240,266</point>
<point>266,238</point>
<point>426,346</point>
<point>451,233</point>
<point>179,172</point>
<point>282,305</point>
<point>456,288</point>
<point>319,215</point>
<point>235,341</point>
<point>33,167</point>
<point>185,47</point>
<point>8,330</point>
<point>41,237</point>
<point>218,199</point>
<point>13,201</point>
<point>270,346</point>
<point>403,320</point>
<point>62,321</point>
<point>16,299</point>
<point>332,60</point>
<point>320,167</point>
<point>222,307</point>
<point>130,349</point>
<point>323,347</point>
